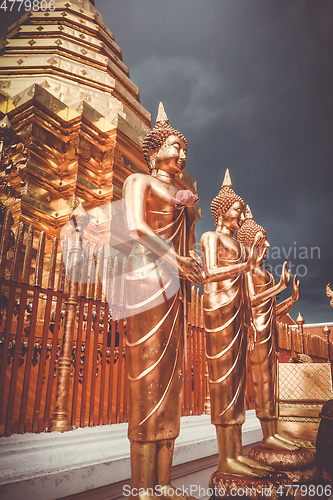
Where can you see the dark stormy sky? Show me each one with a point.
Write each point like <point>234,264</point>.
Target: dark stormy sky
<point>250,85</point>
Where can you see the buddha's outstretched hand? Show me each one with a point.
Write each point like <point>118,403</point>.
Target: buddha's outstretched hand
<point>295,294</point>
<point>190,268</point>
<point>257,250</point>
<point>251,337</point>
<point>285,276</point>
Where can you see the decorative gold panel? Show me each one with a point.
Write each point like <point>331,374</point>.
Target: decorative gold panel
<point>305,382</point>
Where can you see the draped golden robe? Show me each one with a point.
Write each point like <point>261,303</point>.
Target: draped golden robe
<point>263,360</point>
<point>155,321</point>
<point>225,313</point>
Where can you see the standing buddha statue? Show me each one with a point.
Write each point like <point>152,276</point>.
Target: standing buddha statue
<point>229,329</point>
<point>163,234</point>
<point>263,361</point>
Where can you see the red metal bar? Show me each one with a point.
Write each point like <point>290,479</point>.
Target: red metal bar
<point>120,368</point>
<point>126,388</point>
<point>41,369</point>
<point>94,366</point>
<point>9,319</point>
<point>200,403</point>
<point>53,360</point>
<point>77,361</point>
<point>86,365</point>
<point>195,370</point>
<point>103,366</point>
<point>203,369</point>
<point>16,360</point>
<point>187,371</point>
<point>190,378</point>
<point>28,362</point>
<point>111,415</point>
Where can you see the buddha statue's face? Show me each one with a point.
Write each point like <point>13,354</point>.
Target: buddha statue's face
<point>234,216</point>
<point>172,156</point>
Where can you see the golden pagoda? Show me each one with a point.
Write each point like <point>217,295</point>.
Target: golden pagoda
<point>70,101</point>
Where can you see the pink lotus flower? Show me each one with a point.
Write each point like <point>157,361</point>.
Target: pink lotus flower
<point>185,198</point>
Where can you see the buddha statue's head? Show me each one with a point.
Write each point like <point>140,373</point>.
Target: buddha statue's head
<point>165,148</point>
<point>249,230</point>
<point>227,207</point>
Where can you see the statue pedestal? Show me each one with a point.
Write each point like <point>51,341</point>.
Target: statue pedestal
<point>229,486</point>
<point>303,476</point>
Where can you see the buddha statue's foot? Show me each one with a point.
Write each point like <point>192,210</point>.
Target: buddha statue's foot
<point>257,465</point>
<point>170,492</point>
<point>239,468</point>
<point>286,440</point>
<point>144,495</point>
<point>275,443</point>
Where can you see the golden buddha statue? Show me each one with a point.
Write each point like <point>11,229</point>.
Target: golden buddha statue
<point>229,329</point>
<point>163,233</point>
<point>263,361</point>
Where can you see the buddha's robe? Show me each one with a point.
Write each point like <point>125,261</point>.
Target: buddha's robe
<point>226,306</point>
<point>153,294</point>
<point>263,360</point>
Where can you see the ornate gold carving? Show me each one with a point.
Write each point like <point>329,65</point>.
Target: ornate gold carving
<point>300,420</point>
<point>303,475</point>
<point>73,202</point>
<point>26,130</point>
<point>53,60</point>
<point>28,189</point>
<point>283,460</point>
<point>85,96</point>
<point>39,135</point>
<point>32,42</point>
<point>5,84</point>
<point>20,61</point>
<point>85,149</point>
<point>227,485</point>
<point>45,84</point>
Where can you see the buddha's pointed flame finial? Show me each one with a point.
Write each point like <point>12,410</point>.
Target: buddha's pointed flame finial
<point>161,114</point>
<point>227,181</point>
<point>248,213</point>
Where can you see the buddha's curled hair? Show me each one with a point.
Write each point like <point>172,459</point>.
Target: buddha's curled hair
<point>157,137</point>
<point>223,201</point>
<point>248,231</point>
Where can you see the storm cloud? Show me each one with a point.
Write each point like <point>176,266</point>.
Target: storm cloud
<point>249,83</point>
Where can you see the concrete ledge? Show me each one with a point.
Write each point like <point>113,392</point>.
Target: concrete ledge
<point>68,465</point>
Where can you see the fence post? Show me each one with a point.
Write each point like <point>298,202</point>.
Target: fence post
<point>300,322</point>
<point>79,219</point>
<point>327,332</point>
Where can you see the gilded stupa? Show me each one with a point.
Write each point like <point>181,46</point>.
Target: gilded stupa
<point>71,102</point>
